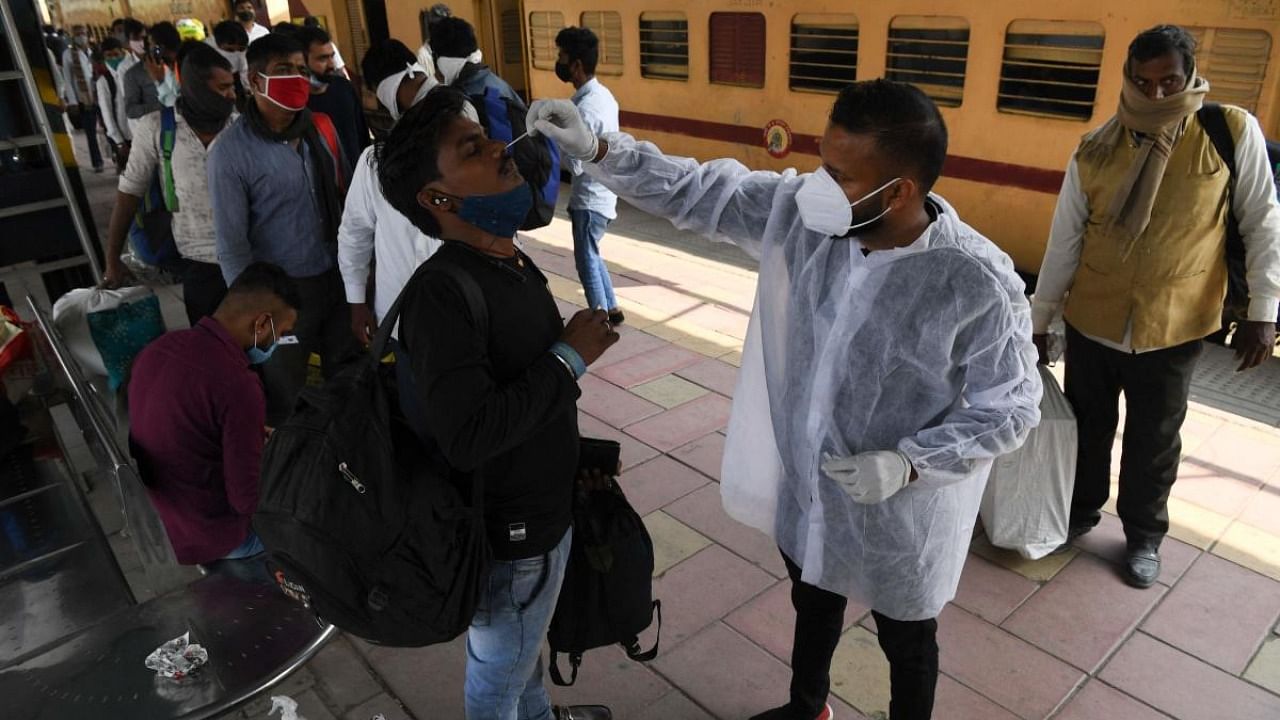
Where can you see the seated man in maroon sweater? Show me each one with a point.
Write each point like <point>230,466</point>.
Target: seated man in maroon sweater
<point>197,414</point>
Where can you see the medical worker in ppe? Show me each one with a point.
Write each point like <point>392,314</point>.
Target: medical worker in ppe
<point>887,362</point>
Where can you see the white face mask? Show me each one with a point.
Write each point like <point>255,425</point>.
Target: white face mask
<point>824,208</point>
<point>167,89</point>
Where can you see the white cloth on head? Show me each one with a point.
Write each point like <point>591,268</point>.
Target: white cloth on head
<point>425,59</point>
<point>450,66</point>
<point>925,349</point>
<point>389,87</point>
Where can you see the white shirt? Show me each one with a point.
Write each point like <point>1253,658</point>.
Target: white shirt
<point>258,31</point>
<point>72,58</point>
<point>1254,204</point>
<point>373,230</point>
<point>193,231</point>
<point>113,115</point>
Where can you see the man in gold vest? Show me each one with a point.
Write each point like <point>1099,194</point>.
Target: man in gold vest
<point>1137,249</point>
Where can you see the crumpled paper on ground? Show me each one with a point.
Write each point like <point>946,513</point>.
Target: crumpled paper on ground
<point>177,658</point>
<point>287,706</point>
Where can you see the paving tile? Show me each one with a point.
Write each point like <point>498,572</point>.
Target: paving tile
<point>612,404</point>
<point>658,298</point>
<point>1252,548</point>
<point>685,334</point>
<point>342,675</point>
<point>1195,525</point>
<point>703,511</point>
<point>673,705</point>
<point>631,342</point>
<point>1265,668</point>
<point>673,541</point>
<point>733,358</point>
<point>312,707</point>
<point>770,621</point>
<point>682,425</point>
<point>1241,451</point>
<point>1222,492</point>
<point>1084,614</point>
<point>649,365</point>
<point>1041,570</point>
<point>1264,510</point>
<point>700,591</point>
<point>714,375</point>
<point>1107,542</point>
<point>428,681</point>
<point>634,452</point>
<point>1197,428</point>
<point>990,591</point>
<point>659,482</point>
<point>566,289</point>
<point>860,672</point>
<point>954,701</point>
<point>706,454</point>
<point>383,705</point>
<point>1193,617</point>
<point>567,309</point>
<point>722,320</point>
<point>669,391</point>
<point>1182,686</point>
<point>1097,700</point>
<point>608,677</point>
<point>1007,670</point>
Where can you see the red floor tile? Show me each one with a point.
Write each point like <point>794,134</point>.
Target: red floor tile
<point>631,342</point>
<point>1009,671</point>
<point>713,375</point>
<point>674,704</point>
<point>659,482</point>
<point>608,677</point>
<point>1219,612</point>
<point>1084,614</point>
<point>702,511</point>
<point>954,701</point>
<point>770,621</point>
<point>1184,687</point>
<point>650,365</point>
<point>634,452</point>
<point>1097,701</point>
<point>990,591</point>
<point>704,455</point>
<point>684,424</point>
<point>1107,542</point>
<point>612,404</point>
<point>703,589</point>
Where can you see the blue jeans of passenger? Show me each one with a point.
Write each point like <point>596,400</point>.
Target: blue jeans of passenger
<point>588,230</point>
<point>504,643</point>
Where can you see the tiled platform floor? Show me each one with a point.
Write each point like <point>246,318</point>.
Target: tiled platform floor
<point>1061,638</point>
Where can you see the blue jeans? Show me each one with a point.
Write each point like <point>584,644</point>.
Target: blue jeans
<point>588,230</point>
<point>504,644</point>
<point>247,562</point>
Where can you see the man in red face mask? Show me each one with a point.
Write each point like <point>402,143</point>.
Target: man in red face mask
<point>277,179</point>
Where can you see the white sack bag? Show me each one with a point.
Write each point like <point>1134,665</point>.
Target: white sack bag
<point>71,318</point>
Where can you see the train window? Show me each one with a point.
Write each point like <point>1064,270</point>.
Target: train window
<point>543,27</point>
<point>824,52</point>
<point>512,49</point>
<point>737,48</point>
<point>664,45</point>
<point>930,52</point>
<point>608,28</point>
<point>1235,63</point>
<point>1050,68</point>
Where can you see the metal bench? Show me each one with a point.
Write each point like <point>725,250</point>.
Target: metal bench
<point>74,638</point>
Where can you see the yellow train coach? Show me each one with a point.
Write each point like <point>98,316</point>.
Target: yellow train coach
<point>1018,82</point>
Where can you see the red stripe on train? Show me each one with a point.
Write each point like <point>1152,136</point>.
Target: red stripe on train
<point>957,166</point>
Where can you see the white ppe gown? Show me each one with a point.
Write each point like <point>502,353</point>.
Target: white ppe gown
<point>925,349</point>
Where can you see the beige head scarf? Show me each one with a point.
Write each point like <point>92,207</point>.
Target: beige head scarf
<point>1161,123</point>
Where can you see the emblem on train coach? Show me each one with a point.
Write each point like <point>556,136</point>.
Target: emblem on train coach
<point>777,138</point>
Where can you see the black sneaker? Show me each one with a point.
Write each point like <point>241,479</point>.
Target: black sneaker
<point>582,712</point>
<point>616,317</point>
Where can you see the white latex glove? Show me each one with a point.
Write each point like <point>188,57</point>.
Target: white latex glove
<point>561,121</point>
<point>869,477</point>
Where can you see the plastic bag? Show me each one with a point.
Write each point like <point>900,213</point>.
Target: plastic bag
<point>287,706</point>
<point>1027,502</point>
<point>177,658</point>
<point>15,342</point>
<point>104,330</point>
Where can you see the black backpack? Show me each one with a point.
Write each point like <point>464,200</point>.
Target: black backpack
<point>363,521</point>
<point>607,595</point>
<point>538,157</point>
<point>1214,121</point>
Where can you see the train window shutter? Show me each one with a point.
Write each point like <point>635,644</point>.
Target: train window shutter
<point>664,45</point>
<point>512,50</point>
<point>824,52</point>
<point>737,49</point>
<point>930,52</point>
<point>1050,68</point>
<point>543,27</point>
<point>607,25</point>
<point>1235,63</point>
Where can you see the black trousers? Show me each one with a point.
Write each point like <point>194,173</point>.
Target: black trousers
<point>202,289</point>
<point>1156,385</point>
<point>910,646</point>
<point>323,327</point>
